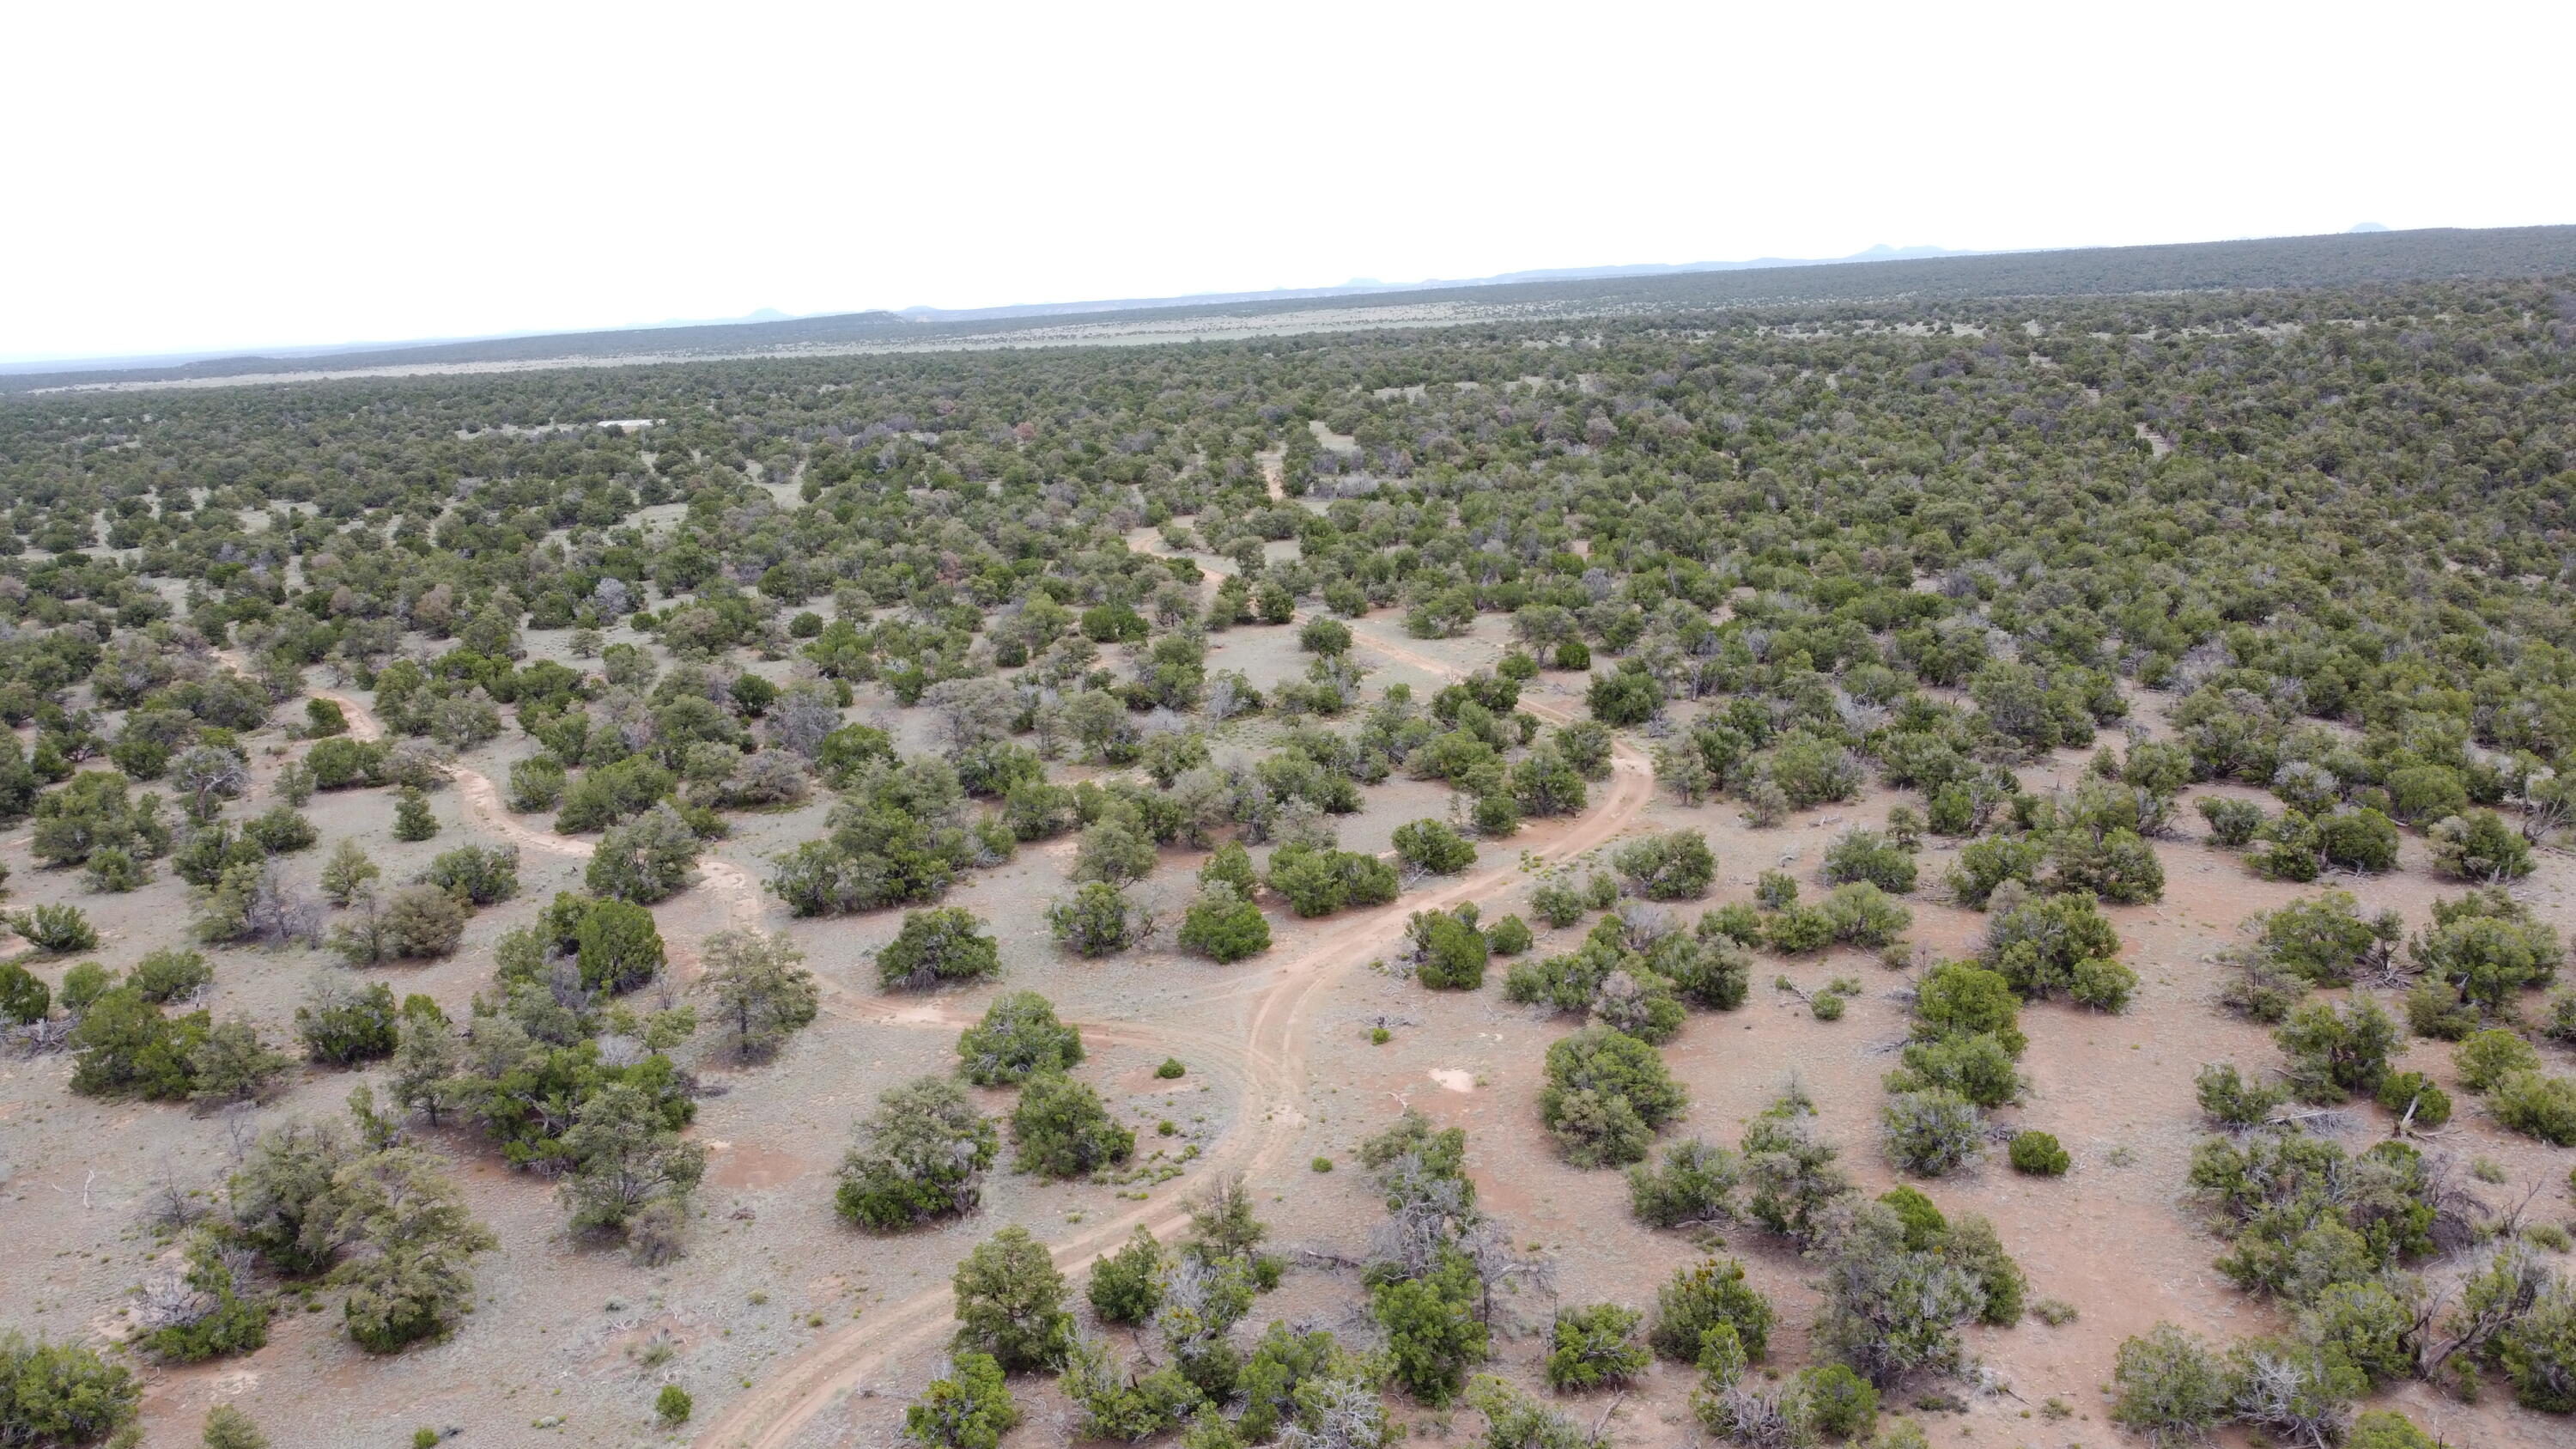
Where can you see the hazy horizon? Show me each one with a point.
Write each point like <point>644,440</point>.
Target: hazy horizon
<point>769,313</point>
<point>24,361</point>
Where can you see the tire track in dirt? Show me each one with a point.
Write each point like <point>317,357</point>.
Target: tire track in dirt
<point>1272,1067</point>
<point>485,810</point>
<point>1270,1064</point>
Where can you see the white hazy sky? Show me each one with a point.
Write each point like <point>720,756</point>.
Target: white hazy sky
<point>194,176</point>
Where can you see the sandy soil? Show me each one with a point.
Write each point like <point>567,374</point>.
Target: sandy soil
<point>792,1330</point>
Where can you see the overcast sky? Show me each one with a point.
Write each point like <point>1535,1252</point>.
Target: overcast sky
<point>205,176</point>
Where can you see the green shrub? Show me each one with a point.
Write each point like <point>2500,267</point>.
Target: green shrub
<point>2169,1386</point>
<point>231,1064</point>
<point>644,860</point>
<point>1449,953</point>
<point>1509,936</point>
<point>2387,1429</point>
<point>672,1406</point>
<point>1862,915</point>
<point>1708,1295</point>
<point>607,793</point>
<point>1840,1403</point>
<point>484,875</point>
<point>2422,794</point>
<point>1594,1346</point>
<point>938,947</point>
<point>2488,948</point>
<point>2335,1054</point>
<point>1224,925</point>
<point>2037,1154</point>
<point>2536,1106</point>
<point>1799,931</point>
<point>60,1393</point>
<point>971,1408</point>
<point>2479,846</point>
<point>114,872</point>
<point>1328,637</point>
<point>2037,943</point>
<point>1811,770</point>
<point>1607,1092</point>
<point>56,930</point>
<point>1060,1129</point>
<point>222,1320</point>
<point>1010,1303</point>
<point>1673,866</point>
<point>229,1428</point>
<point>2115,865</point>
<point>1495,815</point>
<point>1432,1332</point>
<point>342,763</point>
<point>2366,1325</point>
<point>1696,1184</point>
<point>1622,697</point>
<point>168,974</point>
<point>2538,1352</point>
<point>1434,848</point>
<point>1975,1066</point>
<point>23,997</point>
<point>2489,1056</point>
<point>1019,1037</point>
<point>412,817</point>
<point>347,873</point>
<point>1932,1132</point>
<point>2402,1091</point>
<point>1558,903</point>
<point>280,831</point>
<point>1960,998</point>
<point>536,784</point>
<point>123,1046</point>
<point>1099,921</point>
<point>1126,1286</point>
<point>921,1155</point>
<point>1984,865</point>
<point>2362,840</point>
<point>342,1025</point>
<point>1735,921</point>
<point>2435,1010</point>
<point>1318,882</point>
<point>2103,985</point>
<point>1866,855</point>
<point>2322,939</point>
<point>1114,850</point>
<point>84,984</point>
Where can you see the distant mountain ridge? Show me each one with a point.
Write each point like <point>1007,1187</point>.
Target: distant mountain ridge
<point>1366,288</point>
<point>2333,259</point>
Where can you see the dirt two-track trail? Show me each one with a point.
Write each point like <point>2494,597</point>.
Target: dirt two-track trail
<point>483,805</point>
<point>1270,1060</point>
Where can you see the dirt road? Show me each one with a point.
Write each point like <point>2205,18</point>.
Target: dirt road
<point>1270,1063</point>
